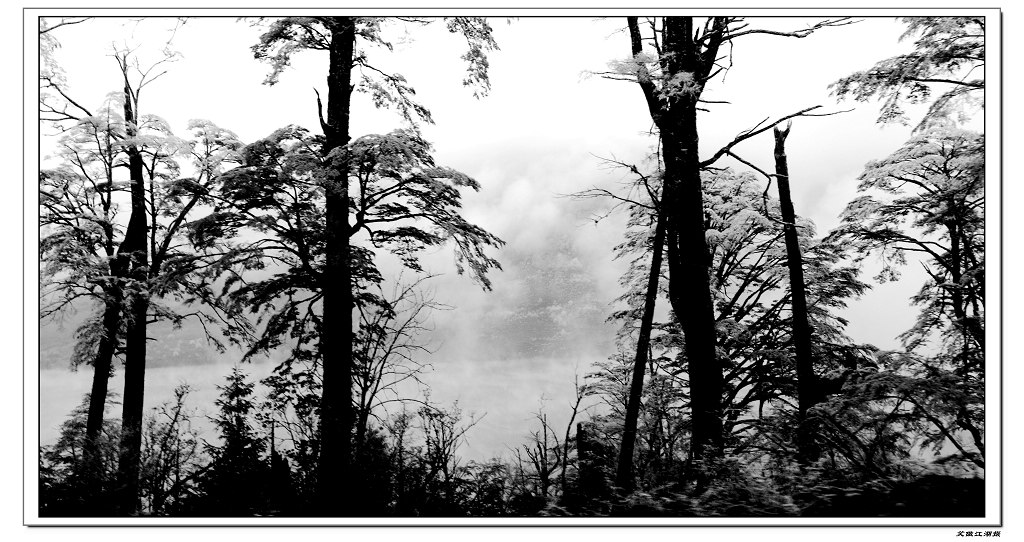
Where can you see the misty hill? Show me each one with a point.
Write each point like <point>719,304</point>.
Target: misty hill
<point>168,347</point>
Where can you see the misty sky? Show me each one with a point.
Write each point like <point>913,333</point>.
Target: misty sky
<point>537,137</point>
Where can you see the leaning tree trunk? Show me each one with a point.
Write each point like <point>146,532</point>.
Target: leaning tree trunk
<point>102,363</point>
<point>808,392</point>
<point>624,473</point>
<point>336,412</point>
<point>134,249</point>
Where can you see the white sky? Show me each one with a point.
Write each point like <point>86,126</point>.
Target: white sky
<point>532,139</point>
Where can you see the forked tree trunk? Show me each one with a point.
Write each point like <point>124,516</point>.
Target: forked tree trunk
<point>808,392</point>
<point>336,411</point>
<point>675,115</point>
<point>624,473</point>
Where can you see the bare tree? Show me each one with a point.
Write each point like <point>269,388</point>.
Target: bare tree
<point>172,457</point>
<point>387,347</point>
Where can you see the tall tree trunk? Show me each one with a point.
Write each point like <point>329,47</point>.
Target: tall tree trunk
<point>336,412</point>
<point>134,248</point>
<point>690,291</point>
<point>102,363</point>
<point>808,392</point>
<point>689,259</point>
<point>675,114</point>
<point>624,473</point>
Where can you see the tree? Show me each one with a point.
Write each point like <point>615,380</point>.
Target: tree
<point>542,461</point>
<point>624,476</point>
<point>755,313</point>
<point>401,202</point>
<point>752,309</point>
<point>163,265</point>
<point>672,80</point>
<point>133,253</point>
<point>236,482</point>
<point>646,207</point>
<point>340,36</point>
<point>927,200</point>
<point>79,237</point>
<point>386,349</point>
<point>673,109</point>
<point>130,264</point>
<point>807,385</point>
<point>444,432</point>
<point>643,203</point>
<point>543,475</point>
<point>78,213</point>
<point>949,53</point>
<point>71,484</point>
<point>172,458</point>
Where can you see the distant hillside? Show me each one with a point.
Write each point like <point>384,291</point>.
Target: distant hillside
<point>168,347</point>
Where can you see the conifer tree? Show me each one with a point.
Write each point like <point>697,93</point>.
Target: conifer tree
<point>237,481</point>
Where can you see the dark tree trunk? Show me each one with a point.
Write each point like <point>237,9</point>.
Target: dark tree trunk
<point>362,422</point>
<point>956,266</point>
<point>689,260</point>
<point>585,475</point>
<point>134,248</point>
<point>624,473</point>
<point>970,327</point>
<point>808,391</point>
<point>689,293</point>
<point>336,409</point>
<point>102,363</point>
<point>675,115</point>
<point>690,296</point>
